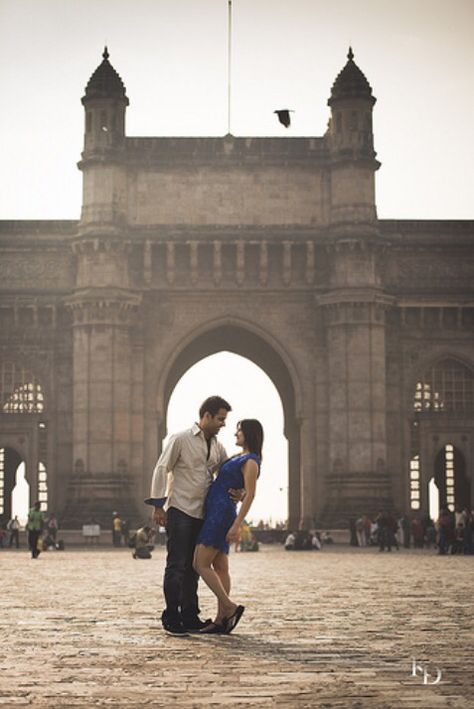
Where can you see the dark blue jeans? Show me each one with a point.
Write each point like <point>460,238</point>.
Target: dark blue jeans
<point>33,536</point>
<point>181,581</point>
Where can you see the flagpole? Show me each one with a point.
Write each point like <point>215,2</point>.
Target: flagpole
<point>229,55</point>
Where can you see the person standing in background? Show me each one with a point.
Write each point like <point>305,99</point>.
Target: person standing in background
<point>52,526</point>
<point>14,528</point>
<point>35,527</point>
<point>116,530</point>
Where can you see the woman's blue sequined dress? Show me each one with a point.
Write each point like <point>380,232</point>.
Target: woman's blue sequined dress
<point>219,510</point>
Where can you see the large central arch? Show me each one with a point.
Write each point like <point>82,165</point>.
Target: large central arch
<point>242,338</point>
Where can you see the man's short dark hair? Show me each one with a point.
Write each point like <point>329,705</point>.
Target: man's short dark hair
<point>213,404</point>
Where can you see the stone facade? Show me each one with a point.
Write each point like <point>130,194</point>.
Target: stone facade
<point>348,314</point>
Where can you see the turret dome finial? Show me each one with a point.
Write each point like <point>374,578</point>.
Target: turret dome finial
<point>351,83</point>
<point>105,82</point>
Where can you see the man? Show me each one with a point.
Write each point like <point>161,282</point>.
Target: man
<point>143,543</point>
<point>191,457</point>
<point>14,528</point>
<point>383,526</point>
<point>52,526</point>
<point>360,532</point>
<point>116,529</point>
<point>35,527</point>
<point>290,542</point>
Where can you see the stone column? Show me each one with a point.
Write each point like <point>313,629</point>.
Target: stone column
<point>294,477</point>
<point>357,479</point>
<point>103,321</point>
<point>307,467</point>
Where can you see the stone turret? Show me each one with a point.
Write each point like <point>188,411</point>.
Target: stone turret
<point>105,102</point>
<point>351,103</point>
<point>104,185</point>
<point>104,312</point>
<point>351,145</point>
<point>354,309</point>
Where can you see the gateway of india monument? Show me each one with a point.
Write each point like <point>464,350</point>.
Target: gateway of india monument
<point>267,247</point>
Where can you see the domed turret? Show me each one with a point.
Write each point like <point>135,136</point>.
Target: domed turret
<point>351,102</point>
<point>102,164</point>
<point>351,145</point>
<point>350,83</point>
<point>104,82</point>
<point>105,101</point>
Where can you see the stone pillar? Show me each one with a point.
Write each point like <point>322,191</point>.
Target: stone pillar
<point>103,321</point>
<point>357,479</point>
<point>31,463</point>
<point>294,475</point>
<point>308,481</point>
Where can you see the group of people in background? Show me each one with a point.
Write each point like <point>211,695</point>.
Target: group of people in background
<point>42,531</point>
<point>451,533</point>
<point>13,529</point>
<point>307,540</point>
<point>455,531</point>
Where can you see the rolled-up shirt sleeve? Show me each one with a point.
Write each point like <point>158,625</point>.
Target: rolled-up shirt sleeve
<point>163,467</point>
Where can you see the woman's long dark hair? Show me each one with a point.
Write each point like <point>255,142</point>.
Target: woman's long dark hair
<point>253,434</point>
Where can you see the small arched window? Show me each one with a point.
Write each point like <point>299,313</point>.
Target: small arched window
<point>447,386</point>
<point>20,391</point>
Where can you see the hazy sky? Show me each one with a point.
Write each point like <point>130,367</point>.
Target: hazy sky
<point>252,395</point>
<point>418,56</point>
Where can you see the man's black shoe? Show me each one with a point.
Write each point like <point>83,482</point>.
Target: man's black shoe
<point>196,624</point>
<point>175,628</point>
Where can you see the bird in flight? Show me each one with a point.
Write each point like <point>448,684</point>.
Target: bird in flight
<point>284,116</point>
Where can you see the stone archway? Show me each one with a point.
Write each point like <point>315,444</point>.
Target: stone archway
<point>10,460</point>
<point>441,405</point>
<point>262,350</point>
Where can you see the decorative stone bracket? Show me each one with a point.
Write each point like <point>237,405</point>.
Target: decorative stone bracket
<point>107,306</point>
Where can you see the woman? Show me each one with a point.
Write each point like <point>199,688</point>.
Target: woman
<point>222,523</point>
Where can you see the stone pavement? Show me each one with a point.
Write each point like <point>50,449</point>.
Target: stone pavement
<point>333,629</point>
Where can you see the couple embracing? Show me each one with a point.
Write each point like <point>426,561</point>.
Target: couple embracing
<point>199,512</point>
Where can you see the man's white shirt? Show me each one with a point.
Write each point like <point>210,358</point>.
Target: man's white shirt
<point>184,471</point>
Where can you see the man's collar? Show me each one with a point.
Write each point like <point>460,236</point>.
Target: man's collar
<point>196,430</point>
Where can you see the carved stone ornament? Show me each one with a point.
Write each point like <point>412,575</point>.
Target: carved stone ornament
<point>33,270</point>
<point>107,308</point>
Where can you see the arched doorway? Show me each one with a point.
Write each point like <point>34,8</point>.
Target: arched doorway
<point>260,349</point>
<point>10,461</point>
<point>251,394</point>
<point>20,497</point>
<point>24,432</point>
<point>441,418</point>
<point>15,497</point>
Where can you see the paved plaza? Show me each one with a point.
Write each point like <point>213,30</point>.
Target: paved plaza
<point>333,629</point>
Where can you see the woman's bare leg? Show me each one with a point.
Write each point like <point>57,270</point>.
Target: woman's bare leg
<point>203,558</point>
<point>221,567</point>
